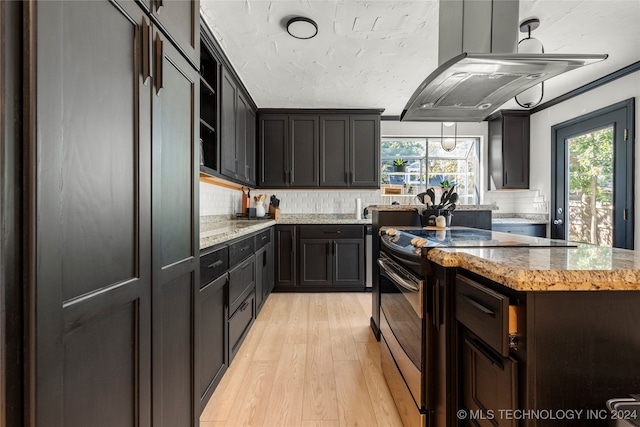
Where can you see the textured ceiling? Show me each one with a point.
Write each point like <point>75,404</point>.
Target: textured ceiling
<point>374,54</point>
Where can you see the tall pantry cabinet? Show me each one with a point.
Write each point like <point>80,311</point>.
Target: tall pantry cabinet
<point>112,246</point>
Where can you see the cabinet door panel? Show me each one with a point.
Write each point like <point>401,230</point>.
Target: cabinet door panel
<point>227,126</point>
<point>315,262</point>
<point>348,267</point>
<point>181,20</point>
<point>304,150</point>
<point>91,184</point>
<point>175,252</point>
<point>212,345</point>
<point>250,149</point>
<point>274,151</point>
<point>334,151</point>
<point>261,255</point>
<point>365,151</point>
<point>241,138</point>
<point>286,255</point>
<point>516,152</point>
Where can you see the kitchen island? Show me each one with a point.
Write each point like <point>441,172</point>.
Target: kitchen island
<point>530,335</point>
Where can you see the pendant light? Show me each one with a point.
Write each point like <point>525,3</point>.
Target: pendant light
<point>448,136</point>
<point>532,96</point>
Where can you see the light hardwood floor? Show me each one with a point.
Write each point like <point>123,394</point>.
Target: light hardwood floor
<point>310,360</point>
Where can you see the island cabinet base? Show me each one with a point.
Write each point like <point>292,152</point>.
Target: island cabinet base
<point>569,352</point>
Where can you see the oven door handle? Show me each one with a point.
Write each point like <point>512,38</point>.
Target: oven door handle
<point>397,278</point>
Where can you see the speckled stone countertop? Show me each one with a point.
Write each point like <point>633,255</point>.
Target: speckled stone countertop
<point>582,268</point>
<point>216,229</point>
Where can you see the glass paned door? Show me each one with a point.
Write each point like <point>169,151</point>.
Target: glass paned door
<point>592,178</point>
<point>590,218</point>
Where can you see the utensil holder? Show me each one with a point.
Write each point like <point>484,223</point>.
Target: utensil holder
<point>428,217</point>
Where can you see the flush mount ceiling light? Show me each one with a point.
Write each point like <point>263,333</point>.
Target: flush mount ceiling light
<point>302,28</point>
<point>532,96</point>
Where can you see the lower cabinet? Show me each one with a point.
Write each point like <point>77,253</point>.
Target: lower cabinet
<point>535,230</point>
<point>264,276</point>
<point>212,333</point>
<point>320,257</point>
<point>239,324</point>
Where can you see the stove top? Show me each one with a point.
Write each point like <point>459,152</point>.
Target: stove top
<point>410,241</point>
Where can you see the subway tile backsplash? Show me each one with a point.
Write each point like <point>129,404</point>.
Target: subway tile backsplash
<point>215,200</point>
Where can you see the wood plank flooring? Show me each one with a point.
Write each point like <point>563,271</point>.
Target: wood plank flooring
<point>310,360</point>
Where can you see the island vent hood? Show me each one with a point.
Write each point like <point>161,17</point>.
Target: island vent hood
<point>479,70</point>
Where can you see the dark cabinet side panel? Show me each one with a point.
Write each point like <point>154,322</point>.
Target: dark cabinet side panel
<point>304,150</point>
<point>365,151</point>
<point>496,171</point>
<point>285,265</point>
<point>250,147</point>
<point>334,151</point>
<point>241,138</point>
<point>273,150</point>
<point>261,255</point>
<point>229,163</point>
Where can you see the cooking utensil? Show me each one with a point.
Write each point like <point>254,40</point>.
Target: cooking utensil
<point>432,195</point>
<point>453,199</point>
<point>420,197</point>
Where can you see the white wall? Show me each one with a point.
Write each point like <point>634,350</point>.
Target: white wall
<point>541,123</point>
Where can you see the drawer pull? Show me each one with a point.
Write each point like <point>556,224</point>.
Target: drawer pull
<point>244,306</point>
<point>479,306</point>
<point>215,264</point>
<point>333,232</point>
<point>264,237</point>
<point>244,248</point>
<point>245,266</point>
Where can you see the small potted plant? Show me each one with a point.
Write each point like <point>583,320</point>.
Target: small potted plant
<point>400,165</point>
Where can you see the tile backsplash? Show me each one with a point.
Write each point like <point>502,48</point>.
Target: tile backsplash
<point>215,200</point>
<point>517,201</point>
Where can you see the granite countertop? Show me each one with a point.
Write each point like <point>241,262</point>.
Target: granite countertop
<point>582,268</point>
<point>218,229</point>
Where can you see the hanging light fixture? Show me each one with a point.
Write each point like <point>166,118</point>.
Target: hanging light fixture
<point>532,96</point>
<point>448,139</point>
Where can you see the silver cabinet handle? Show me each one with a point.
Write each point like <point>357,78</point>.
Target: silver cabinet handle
<point>557,222</point>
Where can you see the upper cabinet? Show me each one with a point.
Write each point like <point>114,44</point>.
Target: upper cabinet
<point>227,121</point>
<point>509,150</point>
<point>181,20</point>
<point>310,149</point>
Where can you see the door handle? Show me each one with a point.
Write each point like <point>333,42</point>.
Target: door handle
<point>159,60</point>
<point>146,51</point>
<point>557,222</point>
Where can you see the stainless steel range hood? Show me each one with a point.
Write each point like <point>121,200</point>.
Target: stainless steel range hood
<point>468,87</point>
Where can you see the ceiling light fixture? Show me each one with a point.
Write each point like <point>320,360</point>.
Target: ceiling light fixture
<point>302,28</point>
<point>532,96</point>
<point>446,141</point>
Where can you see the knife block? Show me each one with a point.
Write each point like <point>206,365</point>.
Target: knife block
<point>274,212</point>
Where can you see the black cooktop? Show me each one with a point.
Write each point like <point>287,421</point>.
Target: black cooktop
<point>462,237</point>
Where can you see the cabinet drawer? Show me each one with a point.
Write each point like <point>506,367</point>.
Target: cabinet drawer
<point>240,250</point>
<point>241,282</point>
<point>484,312</point>
<point>331,232</point>
<point>535,230</point>
<point>263,238</point>
<point>213,265</point>
<point>239,325</point>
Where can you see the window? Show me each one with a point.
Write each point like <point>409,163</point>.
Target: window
<point>427,165</point>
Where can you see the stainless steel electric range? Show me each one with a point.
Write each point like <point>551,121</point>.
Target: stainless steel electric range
<point>412,298</point>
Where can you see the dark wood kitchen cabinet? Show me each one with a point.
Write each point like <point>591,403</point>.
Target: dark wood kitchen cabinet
<point>237,131</point>
<point>181,21</point>
<point>288,150</point>
<point>319,257</point>
<point>285,257</point>
<point>112,190</point>
<point>509,150</point>
<point>210,69</point>
<point>264,259</point>
<point>319,148</point>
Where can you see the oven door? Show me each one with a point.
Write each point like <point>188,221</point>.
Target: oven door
<point>405,329</point>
